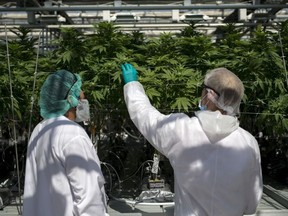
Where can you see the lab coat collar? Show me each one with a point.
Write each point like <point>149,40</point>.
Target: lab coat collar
<point>215,125</point>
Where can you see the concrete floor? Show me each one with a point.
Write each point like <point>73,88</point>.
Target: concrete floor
<point>122,207</point>
<point>267,207</point>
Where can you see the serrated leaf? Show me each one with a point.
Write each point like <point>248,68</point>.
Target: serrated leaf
<point>181,103</point>
<point>152,92</point>
<point>97,95</point>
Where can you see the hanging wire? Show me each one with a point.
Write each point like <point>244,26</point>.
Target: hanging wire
<point>107,165</point>
<point>110,175</point>
<point>13,123</point>
<point>34,84</point>
<point>129,177</point>
<point>283,57</point>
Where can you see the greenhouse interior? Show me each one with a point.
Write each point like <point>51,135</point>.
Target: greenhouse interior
<point>172,44</point>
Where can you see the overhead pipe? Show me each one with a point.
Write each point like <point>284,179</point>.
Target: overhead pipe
<point>153,8</point>
<point>137,25</point>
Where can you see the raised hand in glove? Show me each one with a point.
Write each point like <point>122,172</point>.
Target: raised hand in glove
<point>129,73</point>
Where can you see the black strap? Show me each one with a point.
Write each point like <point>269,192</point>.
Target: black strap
<point>191,114</point>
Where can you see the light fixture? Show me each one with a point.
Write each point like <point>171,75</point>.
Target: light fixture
<point>190,17</point>
<point>125,17</point>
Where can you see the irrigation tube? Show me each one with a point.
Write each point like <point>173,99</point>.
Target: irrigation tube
<point>13,123</point>
<point>148,7</point>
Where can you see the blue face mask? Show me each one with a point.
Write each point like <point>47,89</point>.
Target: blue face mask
<point>202,107</point>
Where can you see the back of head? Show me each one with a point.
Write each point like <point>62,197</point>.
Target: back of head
<point>59,93</point>
<point>229,88</point>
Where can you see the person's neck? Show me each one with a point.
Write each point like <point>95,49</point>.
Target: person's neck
<point>71,114</point>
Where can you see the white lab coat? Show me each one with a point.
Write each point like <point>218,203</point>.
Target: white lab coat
<point>216,163</point>
<point>63,175</point>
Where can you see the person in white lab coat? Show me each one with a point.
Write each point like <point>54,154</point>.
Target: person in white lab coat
<point>63,175</point>
<point>216,163</point>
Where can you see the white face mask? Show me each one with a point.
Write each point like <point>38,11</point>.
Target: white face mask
<point>82,111</point>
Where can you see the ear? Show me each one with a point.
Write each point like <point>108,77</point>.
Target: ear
<point>73,101</point>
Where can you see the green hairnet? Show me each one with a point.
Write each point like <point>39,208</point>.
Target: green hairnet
<point>54,92</point>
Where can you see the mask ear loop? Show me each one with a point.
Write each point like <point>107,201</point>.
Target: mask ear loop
<point>74,82</point>
<point>212,96</point>
<point>73,95</point>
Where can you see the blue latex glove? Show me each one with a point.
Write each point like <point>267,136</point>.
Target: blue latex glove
<point>129,73</point>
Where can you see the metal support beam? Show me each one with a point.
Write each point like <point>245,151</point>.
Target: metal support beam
<point>276,195</point>
<point>134,26</point>
<point>273,11</point>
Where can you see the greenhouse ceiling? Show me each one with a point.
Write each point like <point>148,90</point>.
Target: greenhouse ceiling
<point>148,16</point>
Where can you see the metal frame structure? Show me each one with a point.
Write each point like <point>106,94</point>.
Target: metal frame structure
<point>150,18</point>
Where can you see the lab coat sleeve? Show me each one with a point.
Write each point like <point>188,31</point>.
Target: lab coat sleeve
<point>157,128</point>
<point>85,177</point>
<point>255,186</point>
